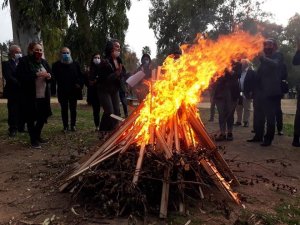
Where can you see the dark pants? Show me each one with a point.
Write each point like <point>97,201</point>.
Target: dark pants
<point>123,99</point>
<point>269,106</point>
<point>226,107</point>
<point>297,119</point>
<point>35,125</point>
<point>278,116</point>
<point>16,119</point>
<point>66,104</point>
<point>96,112</point>
<point>258,118</point>
<point>212,108</point>
<point>111,105</point>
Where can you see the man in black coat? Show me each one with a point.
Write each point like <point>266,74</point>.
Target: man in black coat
<point>268,93</point>
<point>12,91</point>
<point>296,143</point>
<point>69,80</point>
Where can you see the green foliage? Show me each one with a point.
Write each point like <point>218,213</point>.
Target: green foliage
<point>146,50</point>
<point>176,22</point>
<point>130,60</point>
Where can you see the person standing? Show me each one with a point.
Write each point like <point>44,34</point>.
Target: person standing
<point>243,109</point>
<point>93,77</point>
<point>12,91</point>
<point>226,96</point>
<point>34,76</point>
<point>296,62</point>
<point>111,72</point>
<point>269,85</point>
<point>69,80</point>
<point>141,89</point>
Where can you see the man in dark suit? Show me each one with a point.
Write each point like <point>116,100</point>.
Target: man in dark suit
<point>12,91</point>
<point>268,92</point>
<point>296,143</point>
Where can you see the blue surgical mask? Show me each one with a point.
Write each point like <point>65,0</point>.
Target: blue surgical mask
<point>66,58</point>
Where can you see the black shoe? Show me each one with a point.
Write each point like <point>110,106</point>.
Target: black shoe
<point>229,137</point>
<point>238,124</point>
<point>255,139</point>
<point>296,144</point>
<point>221,137</point>
<point>36,145</point>
<point>73,128</point>
<point>280,133</point>
<point>12,133</point>
<point>266,143</point>
<point>246,124</point>
<point>43,141</point>
<point>65,130</point>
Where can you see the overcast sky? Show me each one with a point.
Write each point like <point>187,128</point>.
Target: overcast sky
<point>139,34</point>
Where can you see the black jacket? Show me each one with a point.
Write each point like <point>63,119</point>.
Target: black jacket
<point>26,76</point>
<point>108,80</point>
<point>12,85</point>
<point>269,75</point>
<point>67,77</point>
<point>249,84</point>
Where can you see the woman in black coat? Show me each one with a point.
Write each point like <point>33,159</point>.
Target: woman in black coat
<point>34,76</point>
<point>91,83</point>
<point>109,85</point>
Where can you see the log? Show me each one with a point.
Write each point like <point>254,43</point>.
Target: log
<point>219,181</point>
<point>139,164</point>
<point>165,194</point>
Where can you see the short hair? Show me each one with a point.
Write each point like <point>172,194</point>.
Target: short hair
<point>66,48</point>
<point>13,47</point>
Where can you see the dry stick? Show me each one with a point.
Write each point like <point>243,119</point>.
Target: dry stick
<point>165,194</point>
<point>208,143</point>
<point>176,133</point>
<point>111,141</point>
<point>164,145</point>
<point>220,182</point>
<point>139,164</point>
<point>170,138</point>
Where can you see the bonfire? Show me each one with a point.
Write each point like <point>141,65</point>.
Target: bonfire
<point>167,122</point>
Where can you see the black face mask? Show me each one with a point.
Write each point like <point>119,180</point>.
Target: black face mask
<point>268,51</point>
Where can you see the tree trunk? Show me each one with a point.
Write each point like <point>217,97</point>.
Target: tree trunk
<point>25,33</point>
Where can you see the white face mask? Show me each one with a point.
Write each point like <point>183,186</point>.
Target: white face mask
<point>116,54</point>
<point>96,61</point>
<point>18,55</point>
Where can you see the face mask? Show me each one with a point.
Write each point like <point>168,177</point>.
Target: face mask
<point>146,62</point>
<point>268,51</point>
<point>96,61</point>
<point>66,57</point>
<point>116,54</point>
<point>37,55</point>
<point>18,55</point>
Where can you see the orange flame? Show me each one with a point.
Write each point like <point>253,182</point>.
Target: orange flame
<point>185,79</point>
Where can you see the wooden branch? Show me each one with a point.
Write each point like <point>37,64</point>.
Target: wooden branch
<point>139,164</point>
<point>164,145</point>
<point>165,194</point>
<point>219,181</point>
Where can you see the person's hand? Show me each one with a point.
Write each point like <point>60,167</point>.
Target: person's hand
<point>48,76</point>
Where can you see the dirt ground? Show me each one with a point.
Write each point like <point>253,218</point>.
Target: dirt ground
<point>269,176</point>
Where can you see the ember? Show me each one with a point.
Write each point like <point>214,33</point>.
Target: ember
<point>167,120</point>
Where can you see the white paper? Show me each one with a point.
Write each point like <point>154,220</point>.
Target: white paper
<point>135,78</point>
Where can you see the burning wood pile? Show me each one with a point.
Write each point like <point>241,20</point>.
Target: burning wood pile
<point>166,126</point>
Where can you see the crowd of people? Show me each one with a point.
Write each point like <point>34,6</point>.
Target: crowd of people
<point>265,87</point>
<point>30,81</point>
